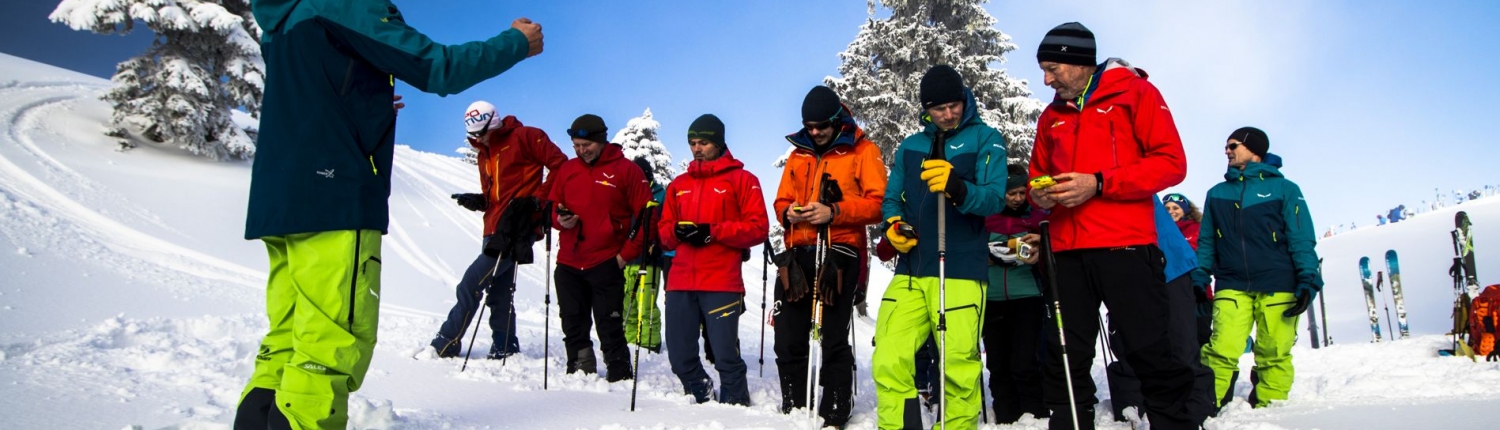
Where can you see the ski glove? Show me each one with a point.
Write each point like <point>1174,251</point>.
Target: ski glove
<point>1304,299</point>
<point>693,234</point>
<point>473,202</point>
<point>793,279</point>
<point>940,179</point>
<point>900,235</point>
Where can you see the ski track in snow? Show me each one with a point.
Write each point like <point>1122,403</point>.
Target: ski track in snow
<point>144,371</point>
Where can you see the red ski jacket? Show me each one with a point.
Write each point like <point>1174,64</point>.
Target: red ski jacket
<point>1124,130</point>
<point>726,196</point>
<point>511,159</point>
<point>606,196</point>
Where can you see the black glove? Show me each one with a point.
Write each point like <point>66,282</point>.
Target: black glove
<point>693,234</point>
<point>1204,303</point>
<point>473,202</point>
<point>793,280</point>
<point>1304,299</point>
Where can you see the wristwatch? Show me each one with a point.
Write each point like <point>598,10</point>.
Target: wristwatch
<point>1099,183</point>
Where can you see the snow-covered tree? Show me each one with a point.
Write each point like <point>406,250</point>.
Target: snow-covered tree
<point>883,67</point>
<point>682,167</point>
<point>204,62</point>
<point>470,155</point>
<point>638,139</point>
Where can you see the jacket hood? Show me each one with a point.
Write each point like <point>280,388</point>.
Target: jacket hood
<point>507,125</point>
<point>725,163</point>
<point>971,116</point>
<point>610,153</point>
<point>849,132</point>
<point>1268,167</point>
<point>272,13</point>
<point>1112,77</point>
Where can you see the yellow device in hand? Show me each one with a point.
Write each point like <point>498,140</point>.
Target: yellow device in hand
<point>1042,182</point>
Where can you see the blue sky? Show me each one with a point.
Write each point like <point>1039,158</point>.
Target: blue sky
<point>1372,104</point>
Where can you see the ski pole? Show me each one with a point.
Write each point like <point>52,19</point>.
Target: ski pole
<point>937,153</point>
<point>1062,339</point>
<point>484,295</point>
<point>765,256</point>
<point>641,272</point>
<point>1380,280</point>
<point>1323,309</point>
<point>547,300</point>
<point>815,332</point>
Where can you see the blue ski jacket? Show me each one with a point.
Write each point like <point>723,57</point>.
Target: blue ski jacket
<point>1257,233</point>
<point>327,128</point>
<point>977,153</point>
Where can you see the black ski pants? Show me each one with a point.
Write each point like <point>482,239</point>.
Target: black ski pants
<point>1012,345</point>
<point>794,324</point>
<point>1183,330</point>
<point>1130,282</point>
<point>588,297</point>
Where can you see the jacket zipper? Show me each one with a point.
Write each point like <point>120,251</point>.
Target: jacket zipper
<point>1240,219</point>
<point>348,78</point>
<point>354,280</point>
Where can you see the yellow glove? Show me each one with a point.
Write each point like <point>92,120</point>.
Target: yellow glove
<point>936,172</point>
<point>901,235</point>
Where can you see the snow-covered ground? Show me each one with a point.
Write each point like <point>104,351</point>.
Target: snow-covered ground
<point>128,298</point>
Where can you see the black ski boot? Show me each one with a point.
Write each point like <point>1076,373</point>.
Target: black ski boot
<point>583,360</point>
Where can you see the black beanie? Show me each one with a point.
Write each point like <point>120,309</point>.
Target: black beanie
<point>1070,43</point>
<point>1253,139</point>
<point>821,104</point>
<point>645,166</point>
<point>708,127</point>
<point>1015,177</point>
<point>941,85</point>
<point>590,127</point>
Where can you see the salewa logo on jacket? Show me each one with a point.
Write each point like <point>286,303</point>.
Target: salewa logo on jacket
<point>1263,195</point>
<point>720,191</point>
<point>1058,124</point>
<point>326,173</point>
<point>961,145</point>
<point>606,175</point>
<point>606,183</point>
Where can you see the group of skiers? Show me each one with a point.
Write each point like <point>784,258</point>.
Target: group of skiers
<point>1080,226</point>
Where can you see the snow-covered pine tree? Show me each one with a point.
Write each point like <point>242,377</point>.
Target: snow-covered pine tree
<point>883,67</point>
<point>682,167</point>
<point>470,155</point>
<point>638,139</point>
<point>204,62</point>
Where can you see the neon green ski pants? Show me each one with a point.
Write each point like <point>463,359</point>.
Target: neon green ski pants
<point>642,316</point>
<point>323,301</point>
<point>908,315</point>
<point>1234,313</point>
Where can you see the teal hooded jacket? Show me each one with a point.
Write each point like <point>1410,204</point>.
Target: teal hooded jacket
<point>327,128</point>
<point>1257,234</point>
<point>977,153</point>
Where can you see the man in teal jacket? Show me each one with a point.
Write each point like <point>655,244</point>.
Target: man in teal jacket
<point>320,184</point>
<point>971,174</point>
<point>1257,242</point>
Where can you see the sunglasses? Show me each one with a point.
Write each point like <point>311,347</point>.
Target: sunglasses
<point>1232,146</point>
<point>821,125</point>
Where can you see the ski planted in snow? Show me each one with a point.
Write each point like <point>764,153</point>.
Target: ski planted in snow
<point>1394,267</point>
<point>1369,281</point>
<point>1464,243</point>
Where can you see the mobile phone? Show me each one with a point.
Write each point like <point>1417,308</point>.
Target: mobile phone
<point>1043,182</point>
<point>798,209</point>
<point>561,211</point>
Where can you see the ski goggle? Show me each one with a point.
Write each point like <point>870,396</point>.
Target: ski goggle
<point>579,133</point>
<point>1174,198</point>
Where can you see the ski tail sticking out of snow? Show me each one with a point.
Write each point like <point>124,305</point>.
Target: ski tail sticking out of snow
<point>1466,252</point>
<point>1369,281</point>
<point>1394,268</point>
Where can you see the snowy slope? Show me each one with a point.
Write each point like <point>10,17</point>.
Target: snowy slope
<point>127,297</point>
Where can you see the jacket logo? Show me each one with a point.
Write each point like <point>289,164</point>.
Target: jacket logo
<point>956,147</point>
<point>720,191</point>
<point>606,175</point>
<point>684,192</point>
<point>799,154</point>
<point>1063,48</point>
<point>606,183</point>
<point>840,151</point>
<point>326,173</point>
<point>1058,123</point>
<point>1111,109</point>
<point>1263,195</point>
<point>1164,107</point>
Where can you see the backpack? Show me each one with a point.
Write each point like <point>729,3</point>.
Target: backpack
<point>1484,319</point>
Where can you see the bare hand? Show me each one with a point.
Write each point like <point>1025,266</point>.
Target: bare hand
<point>1035,240</point>
<point>533,33</point>
<point>567,221</point>
<point>396,103</point>
<point>1043,198</point>
<point>619,261</point>
<point>817,213</point>
<point>1073,188</point>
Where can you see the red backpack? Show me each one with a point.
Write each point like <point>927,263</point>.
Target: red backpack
<point>1484,320</point>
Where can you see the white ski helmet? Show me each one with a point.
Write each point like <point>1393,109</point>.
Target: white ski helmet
<point>480,117</point>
